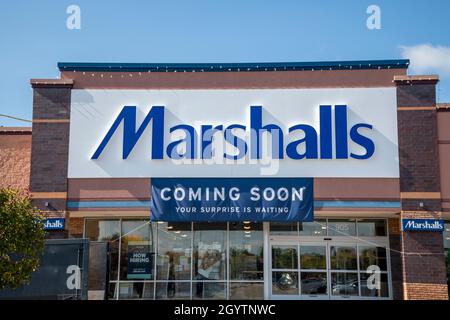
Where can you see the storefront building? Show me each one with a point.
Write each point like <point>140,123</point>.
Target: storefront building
<point>353,155</point>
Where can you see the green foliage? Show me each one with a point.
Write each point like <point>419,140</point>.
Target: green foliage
<point>22,238</point>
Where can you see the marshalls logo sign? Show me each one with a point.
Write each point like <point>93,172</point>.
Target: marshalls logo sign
<point>234,133</point>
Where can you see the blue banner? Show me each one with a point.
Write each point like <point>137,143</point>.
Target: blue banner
<point>232,199</point>
<point>422,225</point>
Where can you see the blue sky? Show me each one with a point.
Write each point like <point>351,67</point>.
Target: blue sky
<point>34,36</point>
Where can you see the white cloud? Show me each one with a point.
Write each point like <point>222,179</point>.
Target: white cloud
<point>426,58</point>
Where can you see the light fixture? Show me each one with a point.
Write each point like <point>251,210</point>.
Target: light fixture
<point>177,231</point>
<point>169,227</point>
<point>247,227</point>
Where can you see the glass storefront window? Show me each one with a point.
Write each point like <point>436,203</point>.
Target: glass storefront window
<point>344,284</point>
<point>136,290</point>
<point>137,251</point>
<point>112,292</point>
<point>106,230</point>
<point>372,228</point>
<point>343,258</point>
<point>210,251</point>
<point>313,283</point>
<point>375,290</point>
<point>313,257</point>
<point>208,290</point>
<point>284,257</point>
<point>246,290</point>
<point>284,228</point>
<point>246,251</point>
<point>102,230</point>
<point>225,260</point>
<point>173,290</point>
<point>372,255</point>
<point>174,255</point>
<point>315,228</point>
<point>341,228</point>
<point>284,282</point>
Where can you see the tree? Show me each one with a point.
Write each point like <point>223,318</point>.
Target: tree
<point>22,238</point>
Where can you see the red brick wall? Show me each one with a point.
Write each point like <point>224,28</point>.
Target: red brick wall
<point>422,260</point>
<point>50,150</point>
<point>15,153</point>
<point>75,227</point>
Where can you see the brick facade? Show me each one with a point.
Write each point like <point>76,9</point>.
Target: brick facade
<point>423,261</point>
<point>15,154</point>
<point>75,227</point>
<point>50,147</point>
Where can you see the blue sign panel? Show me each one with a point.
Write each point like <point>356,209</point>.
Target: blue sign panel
<point>232,199</point>
<point>54,224</point>
<point>422,225</point>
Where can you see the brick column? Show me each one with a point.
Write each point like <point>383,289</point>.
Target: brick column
<point>50,147</point>
<point>395,245</point>
<point>423,262</point>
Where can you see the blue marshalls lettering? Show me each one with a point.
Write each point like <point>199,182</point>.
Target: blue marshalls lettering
<point>317,143</point>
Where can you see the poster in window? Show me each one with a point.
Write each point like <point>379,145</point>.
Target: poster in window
<point>139,260</point>
<point>209,261</point>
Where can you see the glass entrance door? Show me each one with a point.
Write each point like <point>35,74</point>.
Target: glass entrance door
<point>314,282</point>
<point>299,270</point>
<point>320,270</point>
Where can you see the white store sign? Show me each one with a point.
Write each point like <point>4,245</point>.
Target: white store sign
<point>339,132</point>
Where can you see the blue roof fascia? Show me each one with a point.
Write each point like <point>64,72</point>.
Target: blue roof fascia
<point>232,67</point>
